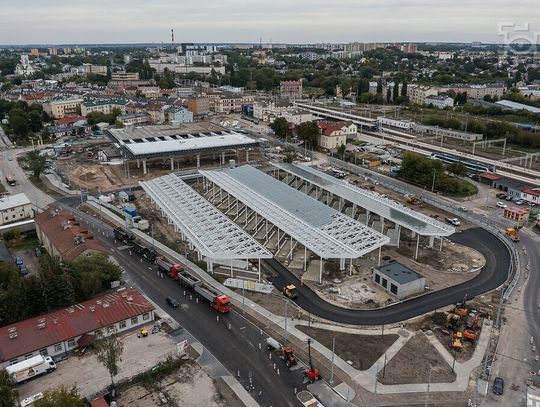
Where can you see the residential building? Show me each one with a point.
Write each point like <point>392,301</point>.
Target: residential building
<point>399,280</point>
<point>122,76</point>
<point>156,112</point>
<point>417,93</point>
<point>14,208</point>
<point>105,106</point>
<point>60,332</point>
<point>24,68</point>
<point>199,105</point>
<point>95,69</point>
<point>439,101</point>
<point>63,236</point>
<point>226,105</point>
<point>136,119</point>
<point>474,91</point>
<point>34,52</point>
<point>62,108</point>
<point>178,115</point>
<point>297,116</point>
<point>291,89</point>
<point>332,135</point>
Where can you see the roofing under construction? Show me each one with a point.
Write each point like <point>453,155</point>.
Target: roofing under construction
<point>371,201</point>
<point>213,234</point>
<point>188,139</point>
<point>323,230</point>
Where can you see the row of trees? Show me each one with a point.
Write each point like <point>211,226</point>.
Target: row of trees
<point>23,119</point>
<point>56,285</point>
<point>424,171</point>
<point>307,132</point>
<point>94,118</point>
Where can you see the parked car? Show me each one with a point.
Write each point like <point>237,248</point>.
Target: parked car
<point>498,386</point>
<point>509,197</point>
<point>501,195</point>
<point>37,252</point>
<point>18,261</point>
<point>463,209</point>
<point>501,205</point>
<point>172,302</point>
<point>23,270</point>
<point>520,202</point>
<point>453,221</point>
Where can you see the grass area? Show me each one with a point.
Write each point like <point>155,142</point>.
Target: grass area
<point>24,243</point>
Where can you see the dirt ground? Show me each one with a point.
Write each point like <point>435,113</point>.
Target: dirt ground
<point>189,386</point>
<point>90,376</point>
<point>412,364</point>
<point>361,350</point>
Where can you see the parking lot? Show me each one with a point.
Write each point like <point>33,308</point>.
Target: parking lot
<point>90,376</point>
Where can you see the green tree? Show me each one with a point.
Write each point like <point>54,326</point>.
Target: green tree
<point>404,90</point>
<point>396,89</point>
<point>19,123</point>
<point>35,163</point>
<point>56,281</point>
<point>290,156</point>
<point>92,274</point>
<point>341,151</point>
<point>363,86</point>
<point>61,397</point>
<point>281,127</point>
<point>457,168</point>
<point>379,87</point>
<point>8,394</point>
<point>109,353</point>
<point>388,95</point>
<point>308,132</point>
<point>35,121</point>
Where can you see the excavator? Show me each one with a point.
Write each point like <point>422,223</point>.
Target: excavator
<point>461,308</point>
<point>513,233</point>
<point>457,341</point>
<point>472,331</point>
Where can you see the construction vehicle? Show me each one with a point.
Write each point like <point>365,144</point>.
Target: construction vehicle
<point>461,308</point>
<point>11,180</point>
<point>452,320</point>
<point>287,352</point>
<point>413,199</point>
<point>472,330</point>
<point>457,341</point>
<point>220,302</point>
<point>172,269</point>
<point>312,374</point>
<point>513,233</point>
<point>123,236</point>
<point>290,291</point>
<point>147,252</point>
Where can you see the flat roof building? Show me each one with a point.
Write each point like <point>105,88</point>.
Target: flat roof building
<point>399,280</point>
<point>15,208</point>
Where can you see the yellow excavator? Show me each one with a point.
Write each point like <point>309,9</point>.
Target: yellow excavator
<point>513,233</point>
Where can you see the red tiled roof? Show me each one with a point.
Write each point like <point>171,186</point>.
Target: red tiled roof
<point>71,322</point>
<point>490,176</point>
<point>63,231</point>
<point>532,191</point>
<point>328,128</point>
<point>34,96</point>
<point>69,120</point>
<point>99,402</point>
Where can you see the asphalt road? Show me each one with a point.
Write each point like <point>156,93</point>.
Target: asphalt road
<point>492,276</point>
<point>237,349</point>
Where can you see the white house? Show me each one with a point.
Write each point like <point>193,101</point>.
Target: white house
<point>439,101</point>
<point>15,208</point>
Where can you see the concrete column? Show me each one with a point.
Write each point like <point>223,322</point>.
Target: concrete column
<point>367,217</point>
<point>223,158</point>
<point>342,264</point>
<point>259,270</point>
<point>440,248</point>
<point>417,245</point>
<point>231,269</point>
<point>198,160</point>
<point>247,155</point>
<point>350,267</point>
<point>144,166</point>
<point>138,164</point>
<point>382,225</point>
<point>305,260</point>
<point>290,253</point>
<point>379,260</point>
<point>172,164</point>
<point>431,241</point>
<point>398,234</point>
<point>320,271</point>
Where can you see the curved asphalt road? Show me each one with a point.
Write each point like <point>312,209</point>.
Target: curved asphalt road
<point>493,275</point>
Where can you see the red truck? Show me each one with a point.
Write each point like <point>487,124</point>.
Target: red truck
<point>220,302</point>
<point>172,269</point>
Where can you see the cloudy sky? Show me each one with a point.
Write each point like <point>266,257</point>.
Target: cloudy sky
<point>296,21</point>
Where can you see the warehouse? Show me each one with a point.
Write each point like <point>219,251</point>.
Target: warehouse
<point>178,142</point>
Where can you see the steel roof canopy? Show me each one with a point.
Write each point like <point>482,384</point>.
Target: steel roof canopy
<point>211,232</point>
<point>372,201</point>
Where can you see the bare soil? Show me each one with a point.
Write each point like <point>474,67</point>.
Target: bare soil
<point>361,350</point>
<point>413,363</point>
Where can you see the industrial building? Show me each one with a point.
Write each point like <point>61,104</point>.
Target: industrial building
<point>183,141</point>
<point>15,208</point>
<point>399,280</point>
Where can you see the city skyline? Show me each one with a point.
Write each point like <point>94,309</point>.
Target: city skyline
<point>342,21</point>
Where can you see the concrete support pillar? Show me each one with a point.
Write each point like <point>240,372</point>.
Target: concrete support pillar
<point>198,160</point>
<point>417,246</point>
<point>305,259</point>
<point>353,213</point>
<point>342,264</point>
<point>382,225</point>
<point>379,259</point>
<point>172,163</point>
<point>367,217</point>
<point>144,166</point>
<point>398,234</point>
<point>247,155</point>
<point>259,270</point>
<point>440,248</point>
<point>138,164</point>
<point>223,158</point>
<point>290,252</point>
<point>431,241</point>
<point>231,269</point>
<point>320,270</point>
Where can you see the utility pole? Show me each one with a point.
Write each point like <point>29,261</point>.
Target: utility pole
<point>333,352</point>
<point>426,404</point>
<point>286,314</point>
<point>433,183</point>
<point>374,403</point>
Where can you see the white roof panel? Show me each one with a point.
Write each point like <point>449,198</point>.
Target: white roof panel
<point>372,201</point>
<point>211,232</point>
<point>13,201</point>
<point>323,230</point>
